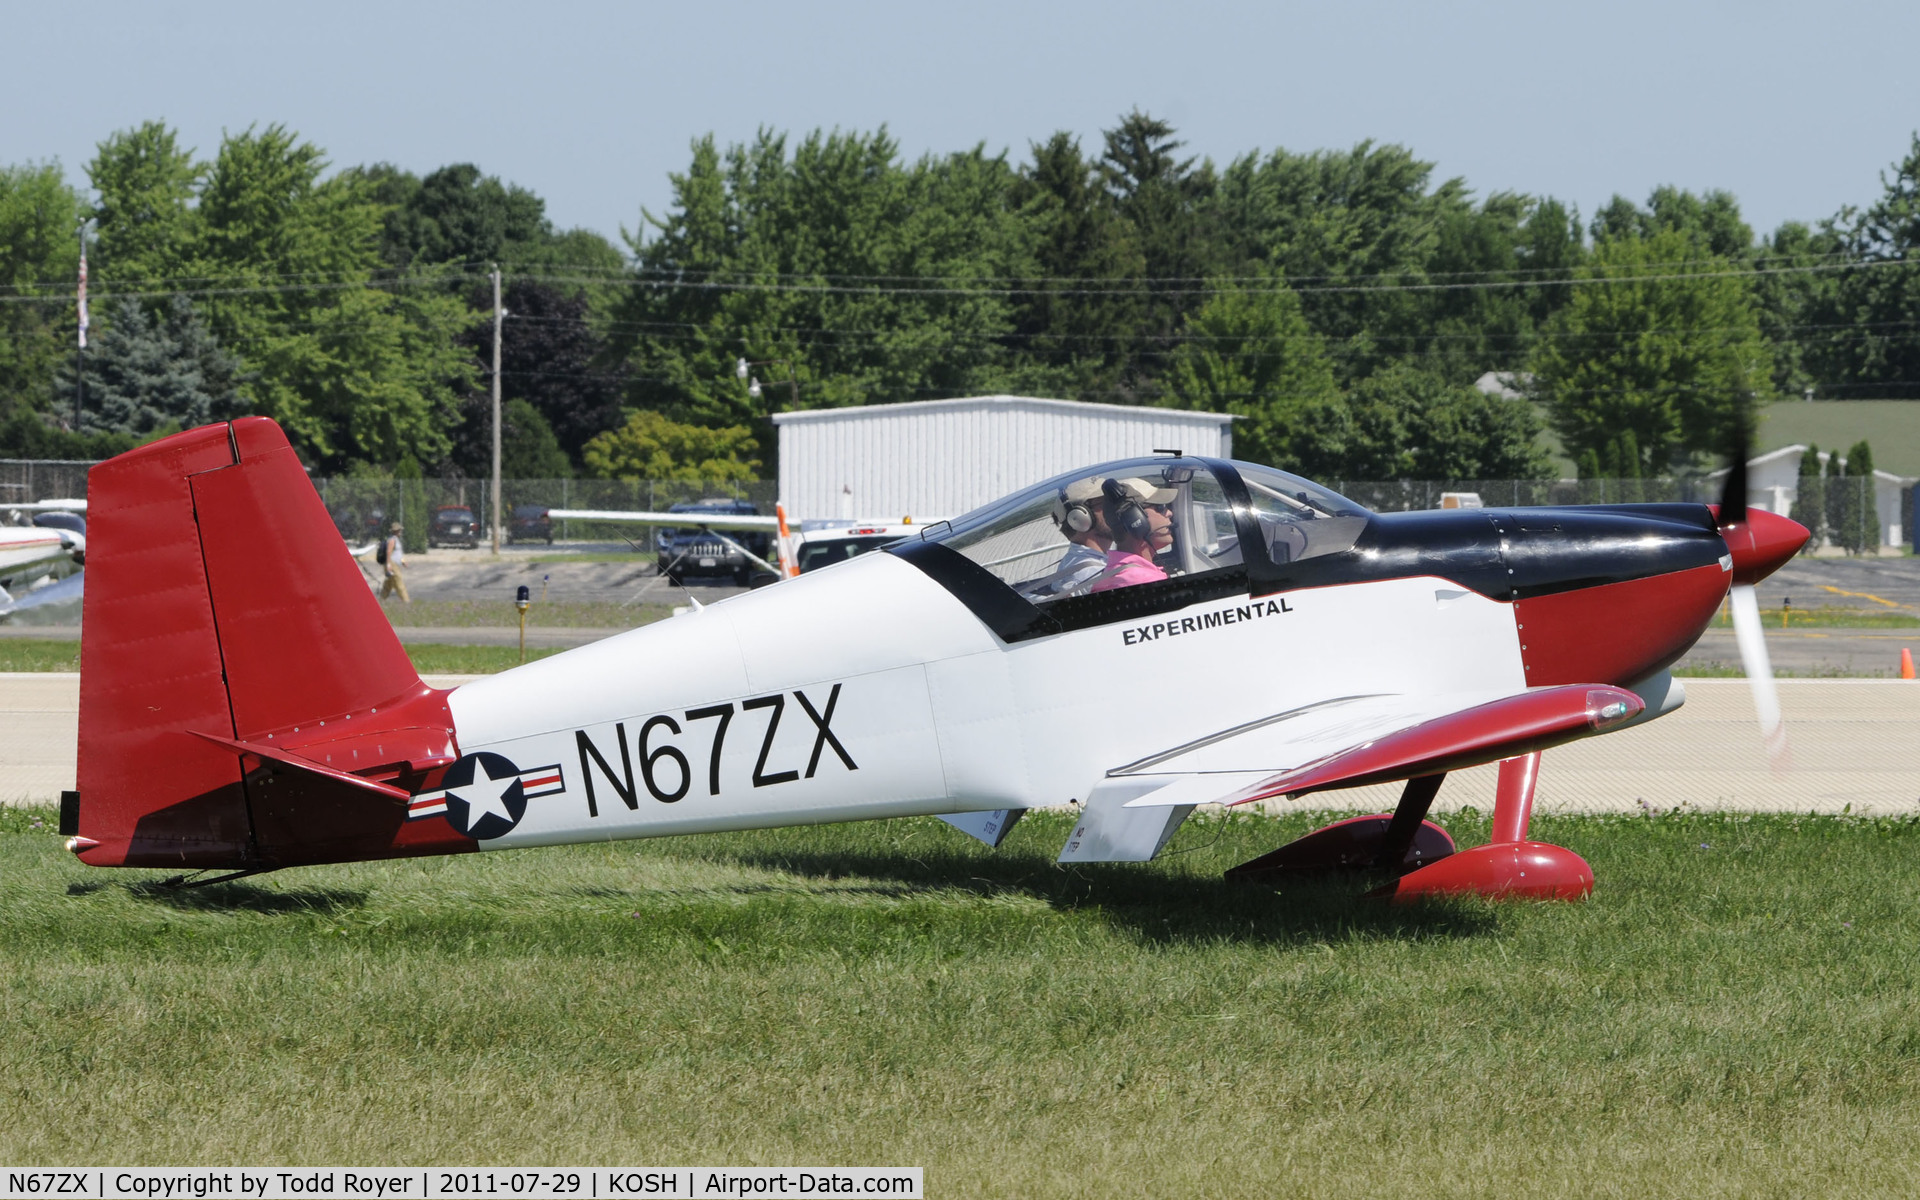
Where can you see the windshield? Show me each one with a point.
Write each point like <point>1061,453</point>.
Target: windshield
<point>1107,527</point>
<point>1298,518</point>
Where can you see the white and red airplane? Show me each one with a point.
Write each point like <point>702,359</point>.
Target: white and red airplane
<point>244,705</point>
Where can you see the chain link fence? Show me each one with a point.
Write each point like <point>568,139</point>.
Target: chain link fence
<point>1842,512</point>
<point>29,479</point>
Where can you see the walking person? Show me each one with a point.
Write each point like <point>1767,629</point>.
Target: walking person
<point>393,556</point>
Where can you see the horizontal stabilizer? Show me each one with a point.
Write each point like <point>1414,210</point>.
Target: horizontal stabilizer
<point>273,754</point>
<point>989,827</point>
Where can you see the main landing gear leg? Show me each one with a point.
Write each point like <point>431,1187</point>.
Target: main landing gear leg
<point>1404,841</point>
<point>1509,865</point>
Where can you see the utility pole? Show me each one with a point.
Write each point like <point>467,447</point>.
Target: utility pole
<point>80,351</point>
<point>497,314</point>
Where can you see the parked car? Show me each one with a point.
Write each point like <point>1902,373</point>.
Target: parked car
<point>453,525</point>
<point>682,553</point>
<point>828,546</point>
<point>530,523</point>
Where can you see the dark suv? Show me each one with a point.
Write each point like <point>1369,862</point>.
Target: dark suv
<point>453,525</point>
<point>688,552</point>
<point>530,523</point>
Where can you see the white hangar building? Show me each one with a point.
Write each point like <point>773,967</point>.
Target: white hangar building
<point>939,458</point>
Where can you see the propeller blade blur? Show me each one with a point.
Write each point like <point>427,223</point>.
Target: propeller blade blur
<point>1745,603</point>
<point>1733,494</point>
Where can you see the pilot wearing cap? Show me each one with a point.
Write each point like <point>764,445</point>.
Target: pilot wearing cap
<point>1141,518</point>
<point>1081,515</point>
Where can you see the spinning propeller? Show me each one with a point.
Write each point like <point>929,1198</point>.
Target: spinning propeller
<point>1760,543</point>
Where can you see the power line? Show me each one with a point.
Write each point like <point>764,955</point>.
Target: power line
<point>693,329</point>
<point>542,270</point>
<point>1138,287</point>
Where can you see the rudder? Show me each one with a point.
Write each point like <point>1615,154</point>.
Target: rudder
<point>222,609</point>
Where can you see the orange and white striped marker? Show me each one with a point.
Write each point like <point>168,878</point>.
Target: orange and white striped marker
<point>787,564</point>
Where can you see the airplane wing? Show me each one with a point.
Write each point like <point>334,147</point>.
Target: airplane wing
<point>680,519</point>
<point>1356,740</point>
<point>28,545</point>
<point>1345,741</point>
<point>72,506</point>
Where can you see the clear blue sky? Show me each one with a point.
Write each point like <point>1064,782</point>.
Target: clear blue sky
<point>1795,108</point>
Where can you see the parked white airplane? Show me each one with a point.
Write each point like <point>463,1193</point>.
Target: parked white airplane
<point>244,704</point>
<point>24,546</point>
<point>832,541</point>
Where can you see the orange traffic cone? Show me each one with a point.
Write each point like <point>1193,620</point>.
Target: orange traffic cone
<point>1906,663</point>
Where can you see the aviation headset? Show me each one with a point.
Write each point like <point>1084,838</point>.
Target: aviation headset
<point>1074,515</point>
<point>1124,511</point>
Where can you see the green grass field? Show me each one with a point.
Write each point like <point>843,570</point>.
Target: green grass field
<point>1735,1013</point>
<point>1834,617</point>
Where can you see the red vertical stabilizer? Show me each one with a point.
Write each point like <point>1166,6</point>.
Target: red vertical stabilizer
<point>221,604</point>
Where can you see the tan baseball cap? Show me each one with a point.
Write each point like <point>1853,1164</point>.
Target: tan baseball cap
<point>1144,492</point>
<point>397,527</point>
<point>1081,490</point>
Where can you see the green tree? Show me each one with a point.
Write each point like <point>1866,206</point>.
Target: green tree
<point>353,372</point>
<point>1877,308</point>
<point>457,215</point>
<point>1860,459</point>
<point>1710,222</point>
<point>528,449</point>
<point>1449,430</point>
<point>1797,297</point>
<point>148,375</point>
<point>1859,515</point>
<point>835,231</point>
<point>147,224</point>
<point>1249,352</point>
<point>410,481</point>
<point>649,446</point>
<point>1078,316</point>
<point>1810,502</point>
<point>1661,340</point>
<point>1165,199</point>
<point>39,260</point>
<point>1347,227</point>
<point>553,357</point>
<point>26,434</point>
<point>1406,422</point>
<point>653,448</point>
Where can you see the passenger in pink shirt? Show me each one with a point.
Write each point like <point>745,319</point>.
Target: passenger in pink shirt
<point>1138,513</point>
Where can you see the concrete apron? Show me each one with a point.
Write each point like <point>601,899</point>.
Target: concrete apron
<point>1853,747</point>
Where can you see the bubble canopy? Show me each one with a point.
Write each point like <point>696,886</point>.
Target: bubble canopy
<point>1166,526</point>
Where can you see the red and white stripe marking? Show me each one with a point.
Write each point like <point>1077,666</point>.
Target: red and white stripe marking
<point>534,783</point>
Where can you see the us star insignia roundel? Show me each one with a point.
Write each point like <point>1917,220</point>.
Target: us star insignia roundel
<point>484,795</point>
